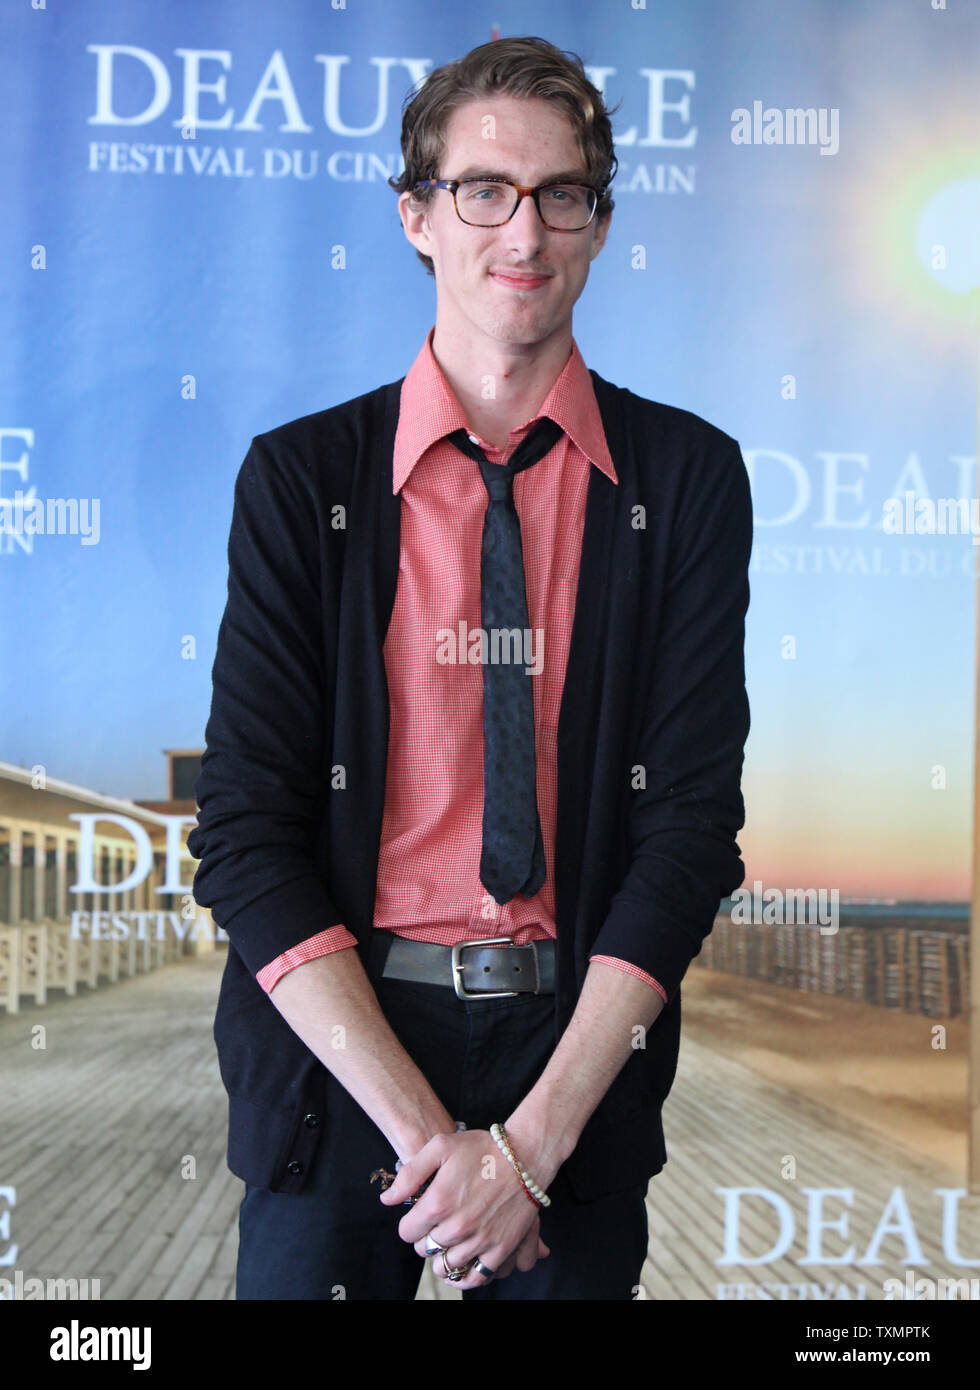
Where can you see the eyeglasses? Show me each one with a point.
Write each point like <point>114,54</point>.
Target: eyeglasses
<point>566,207</point>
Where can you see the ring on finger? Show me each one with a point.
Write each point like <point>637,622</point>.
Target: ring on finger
<point>432,1247</point>
<point>453,1274</point>
<point>480,1268</point>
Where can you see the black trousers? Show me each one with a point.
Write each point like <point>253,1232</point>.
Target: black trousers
<point>336,1240</point>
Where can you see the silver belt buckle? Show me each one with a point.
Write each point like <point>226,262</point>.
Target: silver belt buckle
<point>461,991</point>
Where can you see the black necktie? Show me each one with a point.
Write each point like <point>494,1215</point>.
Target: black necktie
<point>513,851</point>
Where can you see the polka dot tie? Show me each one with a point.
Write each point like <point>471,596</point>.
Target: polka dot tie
<point>512,859</point>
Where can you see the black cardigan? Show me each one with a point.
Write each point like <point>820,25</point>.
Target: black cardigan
<point>651,734</point>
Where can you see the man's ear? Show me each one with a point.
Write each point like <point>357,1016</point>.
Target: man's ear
<point>414,217</point>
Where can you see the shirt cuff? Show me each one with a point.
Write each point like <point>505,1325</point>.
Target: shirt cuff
<point>335,938</point>
<point>631,969</point>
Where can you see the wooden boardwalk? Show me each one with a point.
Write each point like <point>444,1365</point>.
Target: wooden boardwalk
<point>98,1127</point>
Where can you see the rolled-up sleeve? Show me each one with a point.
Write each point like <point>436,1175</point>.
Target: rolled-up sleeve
<point>688,806</point>
<point>325,943</point>
<point>261,784</point>
<point>628,968</point>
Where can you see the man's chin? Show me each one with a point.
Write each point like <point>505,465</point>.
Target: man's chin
<point>525,329</point>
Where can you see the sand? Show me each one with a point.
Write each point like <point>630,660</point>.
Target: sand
<point>877,1066</point>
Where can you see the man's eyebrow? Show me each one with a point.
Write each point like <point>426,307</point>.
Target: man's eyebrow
<point>563,175</point>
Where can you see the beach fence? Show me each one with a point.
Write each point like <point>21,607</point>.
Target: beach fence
<point>913,967</point>
<point>37,957</point>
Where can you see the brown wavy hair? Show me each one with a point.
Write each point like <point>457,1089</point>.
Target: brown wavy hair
<point>519,67</point>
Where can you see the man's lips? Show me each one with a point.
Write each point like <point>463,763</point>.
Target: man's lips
<point>520,282</point>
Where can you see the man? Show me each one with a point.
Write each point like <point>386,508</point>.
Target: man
<point>383,783</point>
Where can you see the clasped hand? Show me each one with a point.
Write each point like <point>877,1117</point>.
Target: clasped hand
<point>475,1206</point>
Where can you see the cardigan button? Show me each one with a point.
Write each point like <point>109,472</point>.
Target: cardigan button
<point>311,1121</point>
<point>295,1167</point>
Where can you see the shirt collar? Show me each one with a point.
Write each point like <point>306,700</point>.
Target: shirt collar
<point>429,411</point>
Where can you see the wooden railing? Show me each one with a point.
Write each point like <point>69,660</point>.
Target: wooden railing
<point>918,971</point>
<point>38,956</point>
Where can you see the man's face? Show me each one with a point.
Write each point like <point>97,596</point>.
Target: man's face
<point>533,142</point>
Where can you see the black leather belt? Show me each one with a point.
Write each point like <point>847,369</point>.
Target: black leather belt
<point>476,969</point>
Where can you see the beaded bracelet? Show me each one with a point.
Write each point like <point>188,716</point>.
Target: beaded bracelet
<point>502,1140</point>
<point>537,1194</point>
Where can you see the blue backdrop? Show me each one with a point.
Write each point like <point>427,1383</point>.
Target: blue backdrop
<point>198,243</point>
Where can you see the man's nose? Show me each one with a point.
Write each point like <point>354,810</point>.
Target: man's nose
<point>525,228</point>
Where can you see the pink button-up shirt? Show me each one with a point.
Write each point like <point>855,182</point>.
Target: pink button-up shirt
<point>428,882</point>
